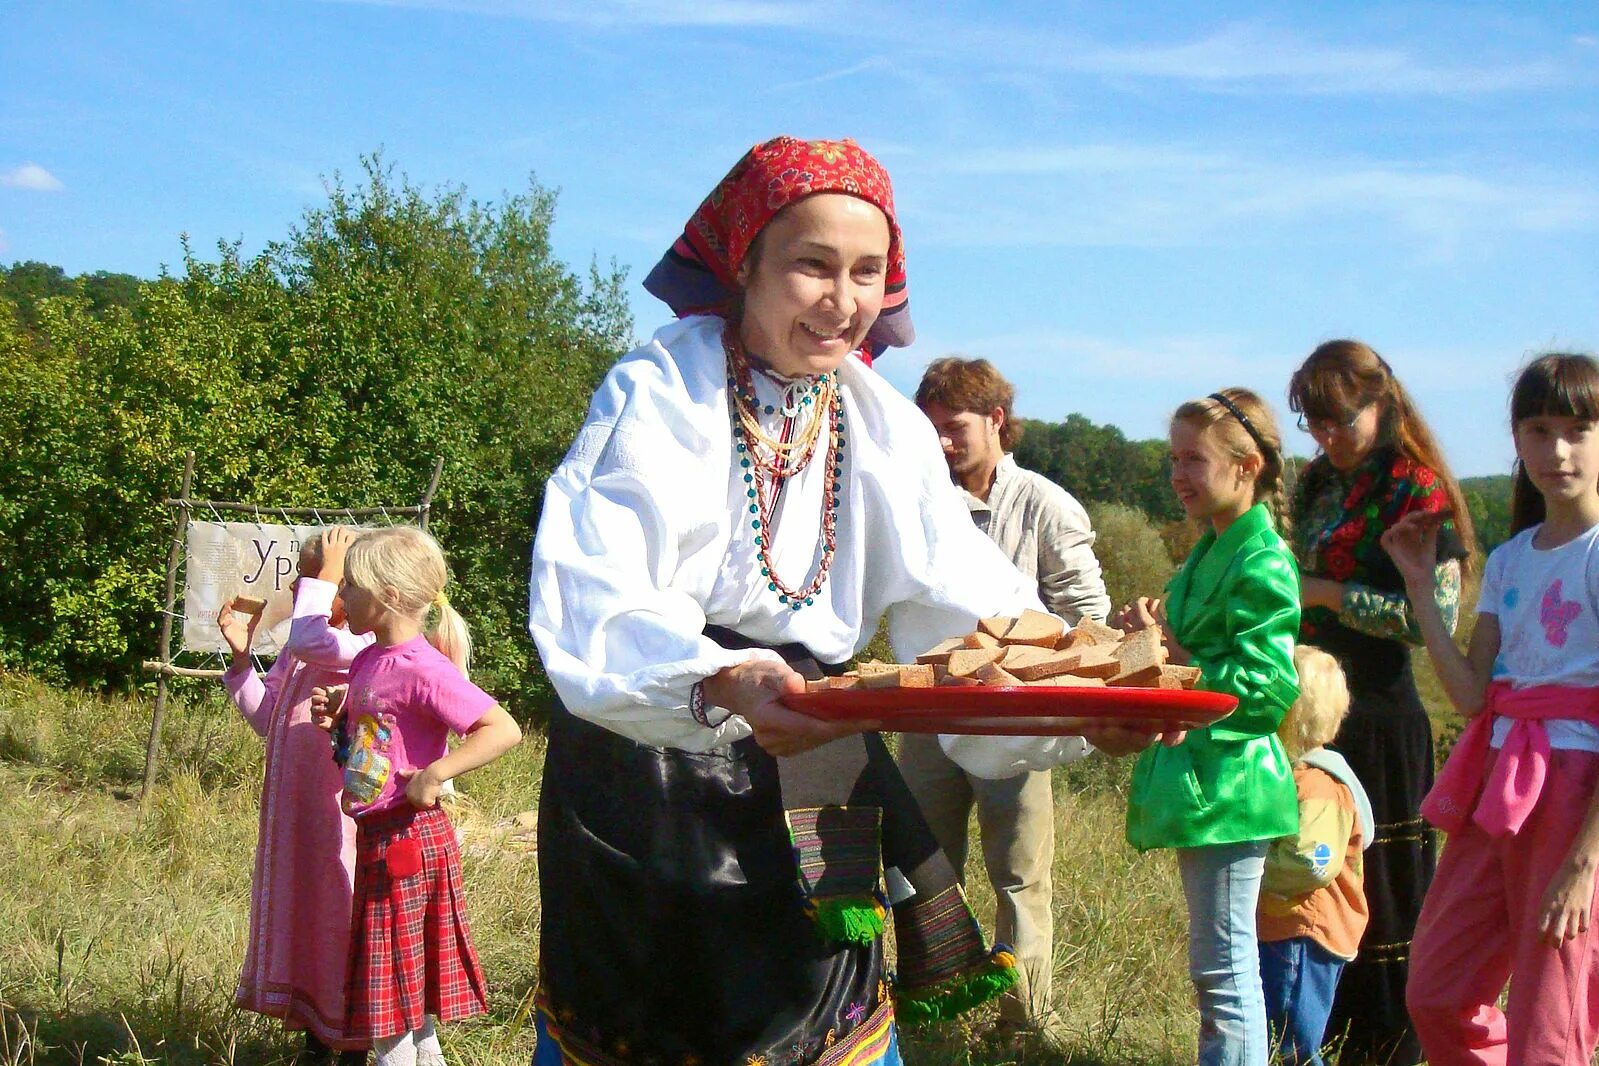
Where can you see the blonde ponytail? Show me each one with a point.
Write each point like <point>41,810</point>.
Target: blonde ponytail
<point>452,637</point>
<point>405,569</point>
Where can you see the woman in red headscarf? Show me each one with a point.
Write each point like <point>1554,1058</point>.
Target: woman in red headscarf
<point>745,501</point>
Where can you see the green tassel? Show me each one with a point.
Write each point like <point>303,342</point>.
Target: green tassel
<point>949,1000</point>
<point>848,919</point>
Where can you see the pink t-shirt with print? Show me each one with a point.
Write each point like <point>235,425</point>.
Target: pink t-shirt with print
<point>403,702</point>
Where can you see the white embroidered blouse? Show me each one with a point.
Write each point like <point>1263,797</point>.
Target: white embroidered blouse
<point>646,537</point>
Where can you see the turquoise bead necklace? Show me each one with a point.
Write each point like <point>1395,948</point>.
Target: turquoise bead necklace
<point>766,461</point>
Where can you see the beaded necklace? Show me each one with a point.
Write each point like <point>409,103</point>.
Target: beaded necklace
<point>767,462</point>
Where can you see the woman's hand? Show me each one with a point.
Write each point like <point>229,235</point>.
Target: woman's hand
<point>336,541</point>
<point>1567,901</point>
<point>327,705</point>
<point>755,690</point>
<point>1412,543</point>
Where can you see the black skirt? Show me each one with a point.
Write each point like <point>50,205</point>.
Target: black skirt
<point>673,926</point>
<point>1387,740</point>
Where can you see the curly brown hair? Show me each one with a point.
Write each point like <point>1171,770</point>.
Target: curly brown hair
<point>971,385</point>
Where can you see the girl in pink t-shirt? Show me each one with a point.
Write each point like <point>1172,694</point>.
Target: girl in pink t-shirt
<point>1513,899</point>
<point>411,954</point>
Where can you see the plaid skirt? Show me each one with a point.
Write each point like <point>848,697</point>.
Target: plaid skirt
<point>411,951</point>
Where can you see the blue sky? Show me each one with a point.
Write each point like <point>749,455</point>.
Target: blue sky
<point>1123,205</point>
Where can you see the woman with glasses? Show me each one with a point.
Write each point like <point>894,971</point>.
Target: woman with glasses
<point>1377,461</point>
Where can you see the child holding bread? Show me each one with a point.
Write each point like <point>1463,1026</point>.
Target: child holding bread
<point>1224,792</point>
<point>294,964</point>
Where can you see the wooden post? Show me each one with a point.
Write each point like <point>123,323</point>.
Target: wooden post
<point>427,497</point>
<point>152,750</point>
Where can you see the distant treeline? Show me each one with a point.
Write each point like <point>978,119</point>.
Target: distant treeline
<point>392,325</point>
<point>1098,464</point>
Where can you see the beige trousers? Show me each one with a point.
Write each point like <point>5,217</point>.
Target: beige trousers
<point>1016,821</point>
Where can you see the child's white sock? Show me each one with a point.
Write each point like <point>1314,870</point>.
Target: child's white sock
<point>429,1052</point>
<point>396,1050</point>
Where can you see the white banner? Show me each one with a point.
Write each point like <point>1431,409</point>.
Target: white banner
<point>228,559</point>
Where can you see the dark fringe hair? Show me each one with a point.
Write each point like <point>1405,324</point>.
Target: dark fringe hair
<point>1562,384</point>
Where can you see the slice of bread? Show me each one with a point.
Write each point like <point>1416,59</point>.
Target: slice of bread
<point>1037,628</point>
<point>980,639</point>
<point>1034,664</point>
<point>875,674</point>
<point>1070,681</point>
<point>950,680</point>
<point>996,675</point>
<point>1096,660</point>
<point>919,676</point>
<point>1087,632</point>
<point>1182,677</point>
<point>967,661</point>
<point>248,604</point>
<point>939,653</point>
<point>1148,677</point>
<point>996,626</point>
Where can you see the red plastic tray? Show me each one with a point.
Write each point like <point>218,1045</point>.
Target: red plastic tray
<point>1036,710</point>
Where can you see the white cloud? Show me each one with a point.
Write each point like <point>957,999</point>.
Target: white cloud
<point>631,13</point>
<point>31,176</point>
<point>1244,54</point>
<point>1134,195</point>
<point>1236,57</point>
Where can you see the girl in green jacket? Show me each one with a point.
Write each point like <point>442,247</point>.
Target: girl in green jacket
<point>1221,795</point>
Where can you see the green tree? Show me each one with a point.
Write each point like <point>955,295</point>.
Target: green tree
<point>1130,551</point>
<point>392,325</point>
<point>1099,463</point>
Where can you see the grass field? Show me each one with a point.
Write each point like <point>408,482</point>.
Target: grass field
<point>125,924</point>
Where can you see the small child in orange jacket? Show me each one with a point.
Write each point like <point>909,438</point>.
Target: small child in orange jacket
<point>1312,908</point>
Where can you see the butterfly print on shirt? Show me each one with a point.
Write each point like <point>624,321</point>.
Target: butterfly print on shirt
<point>1557,615</point>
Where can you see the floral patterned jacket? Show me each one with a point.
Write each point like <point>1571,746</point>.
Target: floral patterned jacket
<point>1337,522</point>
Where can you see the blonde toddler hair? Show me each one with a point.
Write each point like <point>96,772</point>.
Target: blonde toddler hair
<point>1211,415</point>
<point>1323,701</point>
<point>404,568</point>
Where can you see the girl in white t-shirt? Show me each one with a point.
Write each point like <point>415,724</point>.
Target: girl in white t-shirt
<point>1513,897</point>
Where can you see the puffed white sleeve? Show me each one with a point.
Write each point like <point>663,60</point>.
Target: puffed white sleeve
<point>959,575</point>
<point>617,627</point>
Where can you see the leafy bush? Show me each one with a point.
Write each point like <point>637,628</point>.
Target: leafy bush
<point>392,326</point>
<point>1096,462</point>
<point>1130,551</point>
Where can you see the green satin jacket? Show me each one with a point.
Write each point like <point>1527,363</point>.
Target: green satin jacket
<point>1235,606</point>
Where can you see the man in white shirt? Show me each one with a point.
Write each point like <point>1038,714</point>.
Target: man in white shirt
<point>1046,533</point>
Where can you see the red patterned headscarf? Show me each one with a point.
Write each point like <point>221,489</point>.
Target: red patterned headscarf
<point>697,275</point>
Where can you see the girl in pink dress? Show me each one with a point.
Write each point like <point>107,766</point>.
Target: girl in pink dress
<point>411,959</point>
<point>294,966</point>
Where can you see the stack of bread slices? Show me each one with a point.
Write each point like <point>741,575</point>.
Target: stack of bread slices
<point>1033,649</point>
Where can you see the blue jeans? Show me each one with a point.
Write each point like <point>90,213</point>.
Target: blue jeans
<point>1221,883</point>
<point>1300,977</point>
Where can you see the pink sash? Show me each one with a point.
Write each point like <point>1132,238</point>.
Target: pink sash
<point>1511,789</point>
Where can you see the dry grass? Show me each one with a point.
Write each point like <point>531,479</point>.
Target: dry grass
<point>125,924</point>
